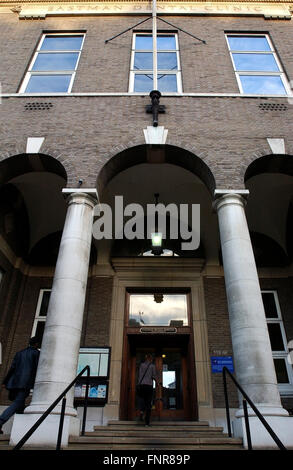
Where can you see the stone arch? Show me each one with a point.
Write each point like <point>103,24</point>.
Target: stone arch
<point>124,156</point>
<point>259,153</point>
<point>269,163</point>
<point>14,161</point>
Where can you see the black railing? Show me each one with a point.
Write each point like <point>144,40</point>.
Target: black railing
<point>246,417</point>
<point>48,411</point>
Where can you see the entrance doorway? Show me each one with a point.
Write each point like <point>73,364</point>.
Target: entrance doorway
<point>158,322</point>
<point>170,400</point>
<point>175,399</point>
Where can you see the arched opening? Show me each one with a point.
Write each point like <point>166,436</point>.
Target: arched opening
<point>178,177</point>
<point>32,206</point>
<point>269,214</point>
<point>269,209</point>
<point>158,316</point>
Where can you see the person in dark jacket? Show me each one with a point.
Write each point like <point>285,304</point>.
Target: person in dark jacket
<point>147,373</point>
<point>20,379</point>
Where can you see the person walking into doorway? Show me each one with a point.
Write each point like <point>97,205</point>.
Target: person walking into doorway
<point>20,379</point>
<point>147,373</point>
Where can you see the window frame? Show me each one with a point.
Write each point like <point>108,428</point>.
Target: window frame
<point>30,72</point>
<point>284,388</point>
<point>39,318</point>
<point>280,73</point>
<point>133,72</point>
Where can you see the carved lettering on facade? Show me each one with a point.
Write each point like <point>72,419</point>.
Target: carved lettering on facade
<point>277,10</point>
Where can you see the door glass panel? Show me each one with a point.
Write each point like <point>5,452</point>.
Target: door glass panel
<point>172,381</point>
<point>158,310</point>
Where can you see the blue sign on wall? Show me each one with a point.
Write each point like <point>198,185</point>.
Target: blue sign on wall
<point>218,362</point>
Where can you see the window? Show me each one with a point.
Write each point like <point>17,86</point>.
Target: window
<point>41,313</point>
<point>54,64</point>
<point>257,68</point>
<point>278,340</point>
<point>168,64</point>
<point>158,309</point>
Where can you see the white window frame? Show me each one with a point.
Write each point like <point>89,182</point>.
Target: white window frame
<point>284,389</point>
<point>38,51</point>
<point>272,51</point>
<point>39,318</point>
<point>133,72</point>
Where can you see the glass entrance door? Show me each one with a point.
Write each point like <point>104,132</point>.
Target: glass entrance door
<point>170,399</point>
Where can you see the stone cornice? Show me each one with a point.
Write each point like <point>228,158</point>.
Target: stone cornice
<point>31,9</point>
<point>40,9</point>
<point>61,2</point>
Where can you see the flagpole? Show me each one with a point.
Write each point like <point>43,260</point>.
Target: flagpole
<point>155,63</point>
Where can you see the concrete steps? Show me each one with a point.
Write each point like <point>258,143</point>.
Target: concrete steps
<point>177,435</point>
<point>4,442</point>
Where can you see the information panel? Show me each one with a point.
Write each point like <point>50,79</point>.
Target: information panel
<point>218,362</point>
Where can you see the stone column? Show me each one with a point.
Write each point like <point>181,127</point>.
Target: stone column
<point>61,340</point>
<point>253,360</point>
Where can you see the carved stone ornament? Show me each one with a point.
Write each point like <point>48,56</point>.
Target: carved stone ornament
<point>16,9</point>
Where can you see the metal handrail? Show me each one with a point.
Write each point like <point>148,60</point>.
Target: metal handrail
<point>246,417</point>
<point>54,404</point>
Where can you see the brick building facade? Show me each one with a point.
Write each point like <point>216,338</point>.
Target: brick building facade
<point>227,137</point>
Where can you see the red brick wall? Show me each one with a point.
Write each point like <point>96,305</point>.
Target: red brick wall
<point>84,132</point>
<point>219,336</point>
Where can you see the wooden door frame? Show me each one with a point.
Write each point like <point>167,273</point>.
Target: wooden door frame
<point>155,272</point>
<point>127,401</point>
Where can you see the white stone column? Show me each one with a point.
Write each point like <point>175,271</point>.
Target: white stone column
<point>252,353</point>
<point>61,340</point>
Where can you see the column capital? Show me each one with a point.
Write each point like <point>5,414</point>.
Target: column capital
<point>79,195</point>
<point>230,196</point>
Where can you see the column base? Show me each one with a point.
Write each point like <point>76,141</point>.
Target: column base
<point>46,434</point>
<point>280,423</point>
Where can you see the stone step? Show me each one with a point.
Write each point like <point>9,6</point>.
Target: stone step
<point>168,435</point>
<point>151,447</point>
<point>4,439</point>
<point>136,429</point>
<point>159,423</point>
<point>145,432</point>
<point>157,441</point>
